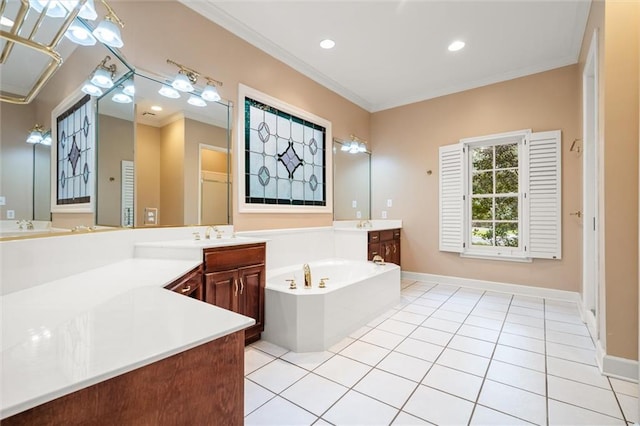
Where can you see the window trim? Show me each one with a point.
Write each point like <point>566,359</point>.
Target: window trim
<point>521,137</point>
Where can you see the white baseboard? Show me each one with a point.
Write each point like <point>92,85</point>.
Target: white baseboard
<point>523,290</point>
<point>620,368</point>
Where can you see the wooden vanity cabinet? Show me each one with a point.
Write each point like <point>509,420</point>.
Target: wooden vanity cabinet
<point>234,279</point>
<point>190,284</point>
<point>385,243</point>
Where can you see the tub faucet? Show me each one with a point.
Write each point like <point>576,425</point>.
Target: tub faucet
<point>307,275</point>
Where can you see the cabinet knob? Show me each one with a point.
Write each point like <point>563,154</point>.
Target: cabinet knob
<point>186,289</point>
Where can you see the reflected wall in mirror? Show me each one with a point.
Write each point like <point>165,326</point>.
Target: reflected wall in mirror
<point>173,180</point>
<point>26,170</point>
<point>351,184</point>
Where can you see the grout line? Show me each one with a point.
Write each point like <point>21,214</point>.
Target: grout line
<point>546,368</point>
<point>615,395</point>
<point>484,379</point>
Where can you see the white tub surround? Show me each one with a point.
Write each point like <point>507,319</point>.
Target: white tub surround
<point>68,334</point>
<point>310,320</point>
<point>351,241</point>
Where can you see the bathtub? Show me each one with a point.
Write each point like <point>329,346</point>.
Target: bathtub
<point>310,320</point>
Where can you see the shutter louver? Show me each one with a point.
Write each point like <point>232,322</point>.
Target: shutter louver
<point>127,193</point>
<point>545,202</point>
<point>451,203</point>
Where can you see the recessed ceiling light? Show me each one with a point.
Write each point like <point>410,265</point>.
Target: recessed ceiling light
<point>456,45</point>
<point>156,108</point>
<point>6,22</point>
<point>327,44</point>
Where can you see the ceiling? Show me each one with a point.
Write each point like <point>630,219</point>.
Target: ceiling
<point>394,52</point>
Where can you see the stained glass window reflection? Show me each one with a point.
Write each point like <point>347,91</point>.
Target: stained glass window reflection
<point>285,158</point>
<point>75,150</point>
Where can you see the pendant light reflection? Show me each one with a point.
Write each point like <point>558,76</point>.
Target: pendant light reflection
<point>129,88</point>
<point>60,8</point>
<point>196,101</point>
<point>121,98</point>
<point>91,89</point>
<point>169,92</point>
<point>80,34</point>
<point>109,33</point>
<point>355,146</point>
<point>37,135</point>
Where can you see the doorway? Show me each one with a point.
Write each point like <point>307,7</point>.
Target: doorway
<point>214,186</point>
<point>590,192</point>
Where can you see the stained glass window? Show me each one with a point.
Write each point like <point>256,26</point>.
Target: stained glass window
<point>75,150</point>
<point>285,158</point>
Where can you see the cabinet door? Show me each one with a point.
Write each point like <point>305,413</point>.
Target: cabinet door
<point>221,289</point>
<point>374,249</point>
<point>251,298</point>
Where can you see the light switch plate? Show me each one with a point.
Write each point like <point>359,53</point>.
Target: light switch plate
<point>3,200</point>
<point>354,204</point>
<point>384,214</point>
<point>389,202</point>
<point>11,214</point>
<point>358,214</point>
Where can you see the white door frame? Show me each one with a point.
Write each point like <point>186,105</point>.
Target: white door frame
<point>592,293</point>
<point>200,148</point>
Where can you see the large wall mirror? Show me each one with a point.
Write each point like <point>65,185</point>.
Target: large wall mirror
<point>158,161</point>
<point>172,154</point>
<point>351,182</point>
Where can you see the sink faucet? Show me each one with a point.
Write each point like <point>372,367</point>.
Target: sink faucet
<point>307,275</point>
<point>25,224</point>
<point>207,233</point>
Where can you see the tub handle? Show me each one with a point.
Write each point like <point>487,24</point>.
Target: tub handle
<point>322,282</point>
<point>241,285</point>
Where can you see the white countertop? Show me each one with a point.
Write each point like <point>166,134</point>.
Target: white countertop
<point>372,225</point>
<point>189,249</point>
<point>74,332</point>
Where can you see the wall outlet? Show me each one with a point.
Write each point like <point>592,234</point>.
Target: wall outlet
<point>389,202</point>
<point>354,204</point>
<point>384,214</point>
<point>11,214</point>
<point>3,200</point>
<point>358,214</point>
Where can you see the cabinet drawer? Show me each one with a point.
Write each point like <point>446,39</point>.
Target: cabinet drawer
<point>224,258</point>
<point>396,234</point>
<point>374,236</point>
<point>189,284</point>
<point>386,235</point>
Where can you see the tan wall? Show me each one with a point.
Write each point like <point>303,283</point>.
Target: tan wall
<point>148,44</point>
<point>16,156</point>
<point>405,145</point>
<point>620,176</point>
<point>197,133</point>
<point>214,161</point>
<point>172,174</point>
<point>115,144</point>
<point>147,170</point>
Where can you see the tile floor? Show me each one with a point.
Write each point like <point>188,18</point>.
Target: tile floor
<point>448,356</point>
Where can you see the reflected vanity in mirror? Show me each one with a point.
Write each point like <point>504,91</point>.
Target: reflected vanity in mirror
<point>352,180</point>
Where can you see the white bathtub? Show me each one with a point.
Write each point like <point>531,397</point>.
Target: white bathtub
<point>309,320</point>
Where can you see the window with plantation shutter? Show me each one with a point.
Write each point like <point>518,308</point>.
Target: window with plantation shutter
<point>500,196</point>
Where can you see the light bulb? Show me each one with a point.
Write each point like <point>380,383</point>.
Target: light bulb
<point>196,101</point>
<point>129,88</point>
<point>169,92</point>
<point>121,98</point>
<point>80,34</point>
<point>182,83</point>
<point>35,135</point>
<point>210,93</point>
<point>91,89</point>
<point>46,139</point>
<point>55,9</point>
<point>362,147</point>
<point>88,11</point>
<point>345,147</point>
<point>108,33</point>
<point>102,78</point>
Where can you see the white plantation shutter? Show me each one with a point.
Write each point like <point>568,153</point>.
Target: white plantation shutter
<point>451,202</point>
<point>544,195</point>
<point>127,183</point>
